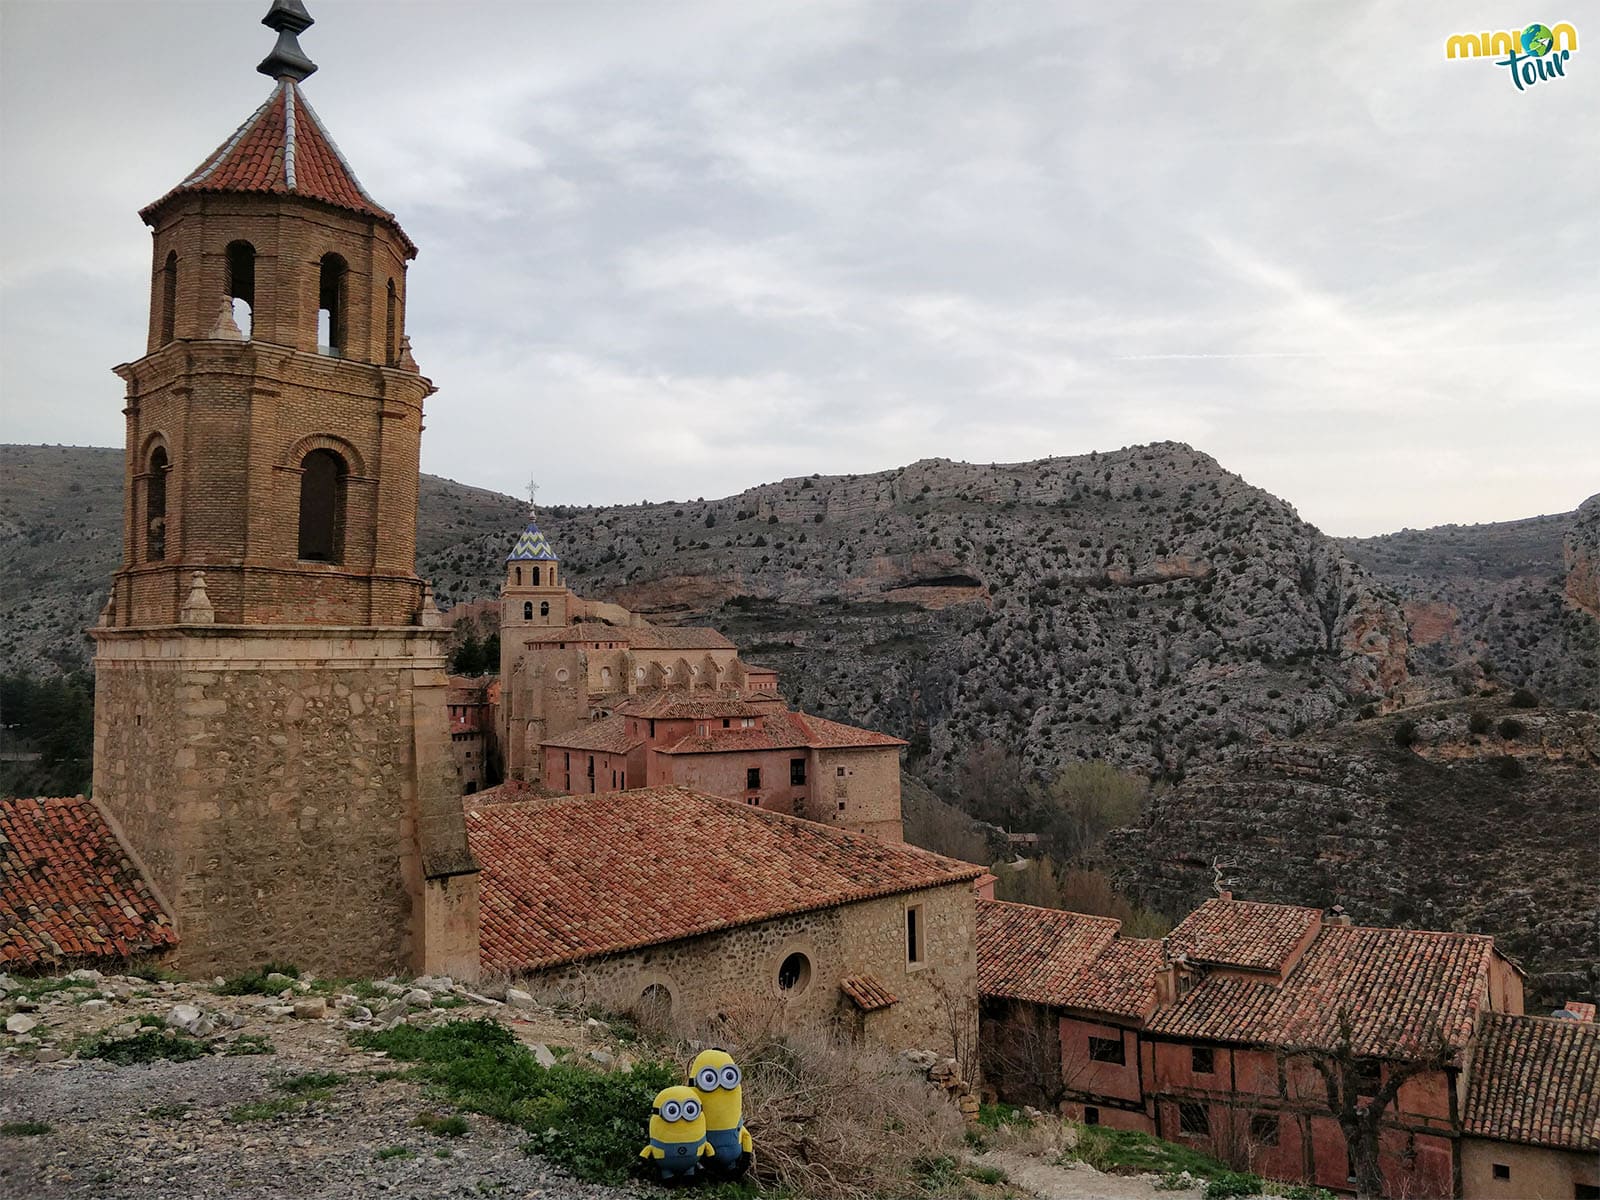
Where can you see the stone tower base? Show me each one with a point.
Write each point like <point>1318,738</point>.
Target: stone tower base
<point>290,794</point>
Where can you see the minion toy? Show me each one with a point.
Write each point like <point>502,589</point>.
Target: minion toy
<point>719,1084</point>
<point>677,1135</point>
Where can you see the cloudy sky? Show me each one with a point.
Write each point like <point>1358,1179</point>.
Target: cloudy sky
<point>675,249</point>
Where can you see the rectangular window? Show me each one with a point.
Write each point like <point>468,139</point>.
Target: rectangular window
<point>1502,1171</point>
<point>1369,1077</point>
<point>840,772</point>
<point>1107,1050</point>
<point>725,722</point>
<point>1585,1191</point>
<point>752,777</point>
<point>1203,1060</point>
<point>797,772</point>
<point>1091,1115</point>
<point>914,934</point>
<point>1193,1118</point>
<point>747,723</point>
<point>1264,1129</point>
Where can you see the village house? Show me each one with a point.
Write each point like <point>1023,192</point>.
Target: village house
<point>1209,1035</point>
<point>596,699</point>
<point>706,909</point>
<point>470,705</point>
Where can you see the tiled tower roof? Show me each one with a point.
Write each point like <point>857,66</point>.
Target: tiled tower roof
<point>282,149</point>
<point>532,546</point>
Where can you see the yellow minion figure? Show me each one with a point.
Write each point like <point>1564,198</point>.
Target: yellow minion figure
<point>719,1084</point>
<point>677,1134</point>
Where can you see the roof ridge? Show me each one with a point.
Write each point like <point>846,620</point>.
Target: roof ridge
<point>217,157</point>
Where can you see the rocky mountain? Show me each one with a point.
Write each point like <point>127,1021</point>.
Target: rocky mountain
<point>1475,815</point>
<point>1513,602</point>
<point>1143,605</point>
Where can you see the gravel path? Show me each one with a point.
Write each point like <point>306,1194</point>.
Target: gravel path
<point>160,1130</point>
<point>169,1130</point>
<point>1077,1181</point>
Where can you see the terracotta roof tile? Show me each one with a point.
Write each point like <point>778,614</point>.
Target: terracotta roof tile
<point>1064,959</point>
<point>1397,985</point>
<point>1535,1080</point>
<point>578,877</point>
<point>779,731</point>
<point>608,735</point>
<point>1241,933</point>
<point>687,706</point>
<point>282,149</point>
<point>640,637</point>
<point>68,890</point>
<point>867,993</point>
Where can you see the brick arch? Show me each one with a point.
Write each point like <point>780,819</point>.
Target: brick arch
<point>148,446</point>
<point>325,441</point>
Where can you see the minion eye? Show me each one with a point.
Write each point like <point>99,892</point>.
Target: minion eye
<point>707,1079</point>
<point>691,1109</point>
<point>671,1110</point>
<point>730,1077</point>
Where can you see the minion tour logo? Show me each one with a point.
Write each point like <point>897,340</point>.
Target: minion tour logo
<point>1537,53</point>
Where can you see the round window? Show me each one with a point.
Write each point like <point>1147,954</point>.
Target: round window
<point>794,973</point>
<point>561,675</point>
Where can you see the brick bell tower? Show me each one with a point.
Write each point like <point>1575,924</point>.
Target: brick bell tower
<point>270,723</point>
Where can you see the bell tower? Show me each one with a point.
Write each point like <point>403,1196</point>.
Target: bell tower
<point>270,721</point>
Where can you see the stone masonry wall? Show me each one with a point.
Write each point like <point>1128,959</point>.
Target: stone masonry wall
<point>270,783</point>
<point>735,973</point>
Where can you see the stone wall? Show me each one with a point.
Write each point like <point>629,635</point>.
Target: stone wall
<point>735,973</point>
<point>859,789</point>
<point>1532,1170</point>
<point>289,791</point>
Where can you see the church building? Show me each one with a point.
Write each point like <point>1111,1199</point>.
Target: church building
<point>271,736</point>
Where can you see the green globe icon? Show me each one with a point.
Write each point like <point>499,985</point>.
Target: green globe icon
<point>1537,40</point>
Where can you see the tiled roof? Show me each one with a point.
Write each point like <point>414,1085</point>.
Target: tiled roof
<point>1580,1010</point>
<point>1240,933</point>
<point>687,706</point>
<point>677,637</point>
<point>1397,985</point>
<point>578,877</point>
<point>282,149</point>
<point>587,631</point>
<point>1064,959</point>
<point>68,890</point>
<point>832,735</point>
<point>532,546</point>
<point>609,735</point>
<point>1535,1080</point>
<point>867,993</point>
<point>780,731</point>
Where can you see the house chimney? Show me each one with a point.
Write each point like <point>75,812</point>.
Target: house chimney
<point>1338,916</point>
<point>1224,895</point>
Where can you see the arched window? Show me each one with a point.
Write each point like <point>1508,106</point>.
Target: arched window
<point>169,297</point>
<point>389,355</point>
<point>605,676</point>
<point>536,577</point>
<point>322,494</point>
<point>331,315</point>
<point>544,608</point>
<point>527,610</point>
<point>155,505</point>
<point>242,284</point>
<point>519,576</point>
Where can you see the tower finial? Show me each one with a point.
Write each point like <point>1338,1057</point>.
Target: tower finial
<point>290,19</point>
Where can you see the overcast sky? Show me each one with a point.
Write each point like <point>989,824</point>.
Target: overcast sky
<point>674,249</point>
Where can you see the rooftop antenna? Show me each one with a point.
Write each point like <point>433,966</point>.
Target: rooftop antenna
<point>290,19</point>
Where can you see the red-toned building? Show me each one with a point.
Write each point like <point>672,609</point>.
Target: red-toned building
<point>1208,1036</point>
<point>470,703</point>
<point>752,749</point>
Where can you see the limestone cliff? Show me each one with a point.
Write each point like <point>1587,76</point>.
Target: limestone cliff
<point>1581,552</point>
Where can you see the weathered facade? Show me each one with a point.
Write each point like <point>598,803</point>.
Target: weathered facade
<point>1211,1035</point>
<point>270,723</point>
<point>715,909</point>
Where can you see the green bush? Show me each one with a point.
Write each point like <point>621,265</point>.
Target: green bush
<point>590,1122</point>
<point>254,983</point>
<point>1479,723</point>
<point>1523,698</point>
<point>441,1126</point>
<point>1231,1184</point>
<point>149,1045</point>
<point>1405,734</point>
<point>24,1128</point>
<point>1511,729</point>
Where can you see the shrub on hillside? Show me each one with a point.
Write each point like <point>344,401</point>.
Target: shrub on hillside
<point>1511,728</point>
<point>1405,734</point>
<point>1479,723</point>
<point>1523,698</point>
